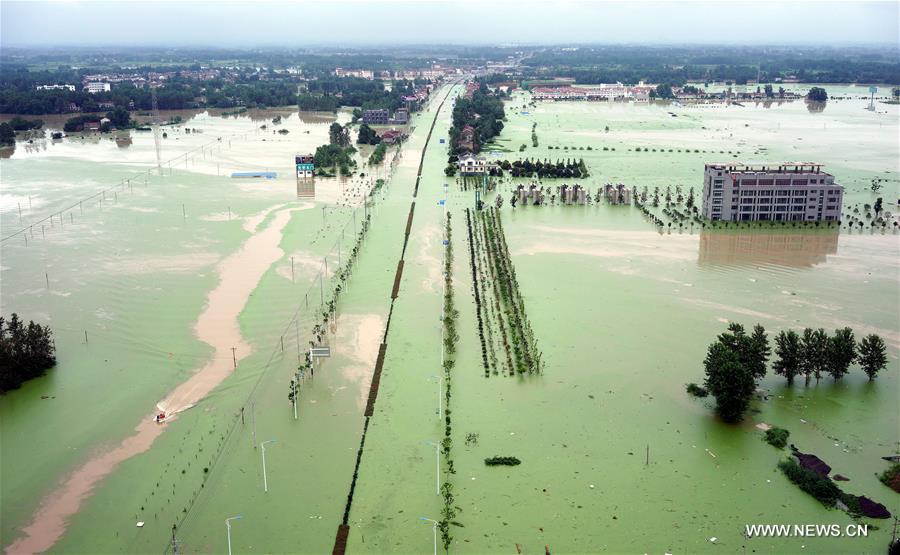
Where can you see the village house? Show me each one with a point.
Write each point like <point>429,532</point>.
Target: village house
<point>469,164</point>
<point>392,136</point>
<point>466,139</point>
<point>376,117</point>
<point>401,117</point>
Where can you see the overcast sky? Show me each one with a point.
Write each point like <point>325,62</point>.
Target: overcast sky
<point>338,22</point>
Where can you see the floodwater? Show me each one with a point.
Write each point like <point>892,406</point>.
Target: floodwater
<point>221,234</point>
<point>615,456</point>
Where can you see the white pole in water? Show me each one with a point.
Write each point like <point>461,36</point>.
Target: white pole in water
<point>263,446</point>
<point>228,527</point>
<point>434,525</point>
<point>437,451</point>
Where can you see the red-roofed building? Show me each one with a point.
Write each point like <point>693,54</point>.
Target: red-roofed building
<point>467,138</point>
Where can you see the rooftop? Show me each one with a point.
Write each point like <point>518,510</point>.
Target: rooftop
<point>784,167</point>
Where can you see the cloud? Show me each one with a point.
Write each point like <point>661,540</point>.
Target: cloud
<point>342,22</point>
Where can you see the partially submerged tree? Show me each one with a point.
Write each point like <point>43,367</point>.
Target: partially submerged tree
<point>814,353</point>
<point>729,381</point>
<point>841,352</point>
<point>872,357</point>
<point>25,351</point>
<point>788,351</point>
<point>817,94</point>
<point>753,350</point>
<point>338,135</point>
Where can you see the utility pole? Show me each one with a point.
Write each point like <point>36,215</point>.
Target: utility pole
<point>234,356</point>
<point>174,541</point>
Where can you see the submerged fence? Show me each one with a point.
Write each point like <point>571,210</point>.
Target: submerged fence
<point>113,190</point>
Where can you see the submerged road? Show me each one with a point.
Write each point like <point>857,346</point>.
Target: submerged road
<point>343,531</point>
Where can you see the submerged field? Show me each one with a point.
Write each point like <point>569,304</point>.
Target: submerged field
<point>621,313</point>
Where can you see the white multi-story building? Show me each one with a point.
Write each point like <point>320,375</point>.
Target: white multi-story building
<point>361,73</point>
<point>55,87</point>
<point>95,87</point>
<point>798,191</point>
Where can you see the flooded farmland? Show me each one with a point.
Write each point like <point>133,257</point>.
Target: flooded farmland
<point>150,285</point>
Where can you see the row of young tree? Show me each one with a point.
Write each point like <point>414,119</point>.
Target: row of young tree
<point>736,361</point>
<point>26,351</point>
<point>319,331</point>
<point>568,168</point>
<point>815,353</point>
<point>499,303</point>
<point>450,337</point>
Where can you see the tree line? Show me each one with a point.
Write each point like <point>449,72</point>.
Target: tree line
<point>329,94</point>
<point>545,169</point>
<point>737,360</point>
<point>18,94</point>
<point>26,351</point>
<point>119,118</point>
<point>483,112</point>
<point>738,64</point>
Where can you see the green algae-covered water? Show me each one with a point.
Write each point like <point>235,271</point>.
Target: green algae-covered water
<point>622,313</point>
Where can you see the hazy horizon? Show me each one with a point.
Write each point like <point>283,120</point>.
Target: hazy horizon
<point>354,24</point>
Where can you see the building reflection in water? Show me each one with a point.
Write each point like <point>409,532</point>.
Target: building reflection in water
<point>791,249</point>
<point>306,187</point>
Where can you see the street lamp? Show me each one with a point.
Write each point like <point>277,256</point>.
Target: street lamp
<point>434,525</point>
<point>263,445</point>
<point>437,451</point>
<point>228,527</point>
